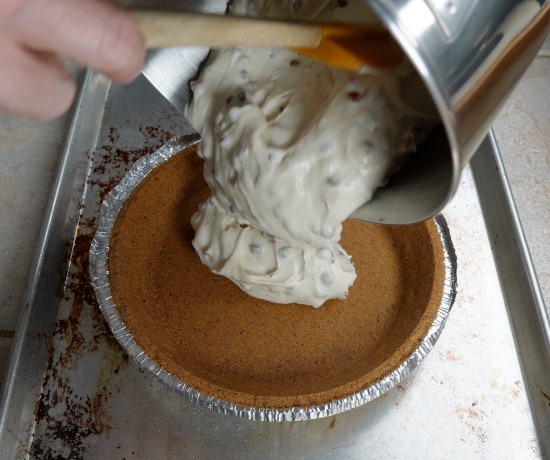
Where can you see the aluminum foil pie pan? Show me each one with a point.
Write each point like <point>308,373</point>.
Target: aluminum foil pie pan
<point>99,253</point>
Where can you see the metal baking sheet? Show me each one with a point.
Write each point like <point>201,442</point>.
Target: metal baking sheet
<point>72,393</point>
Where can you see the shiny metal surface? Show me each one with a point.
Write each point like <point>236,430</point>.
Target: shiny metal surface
<point>522,293</point>
<point>418,188</point>
<point>71,392</point>
<point>451,15</point>
<point>470,54</point>
<point>24,379</point>
<point>99,277</point>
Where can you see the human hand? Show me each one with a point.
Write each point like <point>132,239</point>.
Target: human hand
<point>33,81</point>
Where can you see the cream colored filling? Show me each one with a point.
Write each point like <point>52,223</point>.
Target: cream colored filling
<point>291,147</point>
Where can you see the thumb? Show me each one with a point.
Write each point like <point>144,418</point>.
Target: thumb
<point>95,33</point>
<point>33,84</point>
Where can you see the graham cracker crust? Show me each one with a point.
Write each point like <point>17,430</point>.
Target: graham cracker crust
<point>218,340</point>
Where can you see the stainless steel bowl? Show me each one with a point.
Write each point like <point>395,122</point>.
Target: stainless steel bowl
<point>470,55</point>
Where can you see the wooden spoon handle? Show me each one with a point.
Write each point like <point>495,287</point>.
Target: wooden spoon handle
<point>163,29</point>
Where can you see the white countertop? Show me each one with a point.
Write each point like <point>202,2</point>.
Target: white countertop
<point>30,151</point>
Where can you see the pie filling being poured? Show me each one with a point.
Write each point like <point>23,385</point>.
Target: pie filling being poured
<point>291,148</point>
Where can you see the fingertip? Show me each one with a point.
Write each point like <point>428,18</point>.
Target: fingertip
<point>133,69</point>
<point>98,34</point>
<point>34,85</point>
<point>125,48</point>
<point>62,94</point>
<point>56,89</point>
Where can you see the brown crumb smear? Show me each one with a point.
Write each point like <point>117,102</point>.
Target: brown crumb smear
<point>203,329</point>
<point>354,96</point>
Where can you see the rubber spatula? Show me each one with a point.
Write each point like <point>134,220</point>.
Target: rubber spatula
<point>350,47</point>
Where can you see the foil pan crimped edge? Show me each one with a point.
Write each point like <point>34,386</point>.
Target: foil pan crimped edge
<point>99,278</point>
